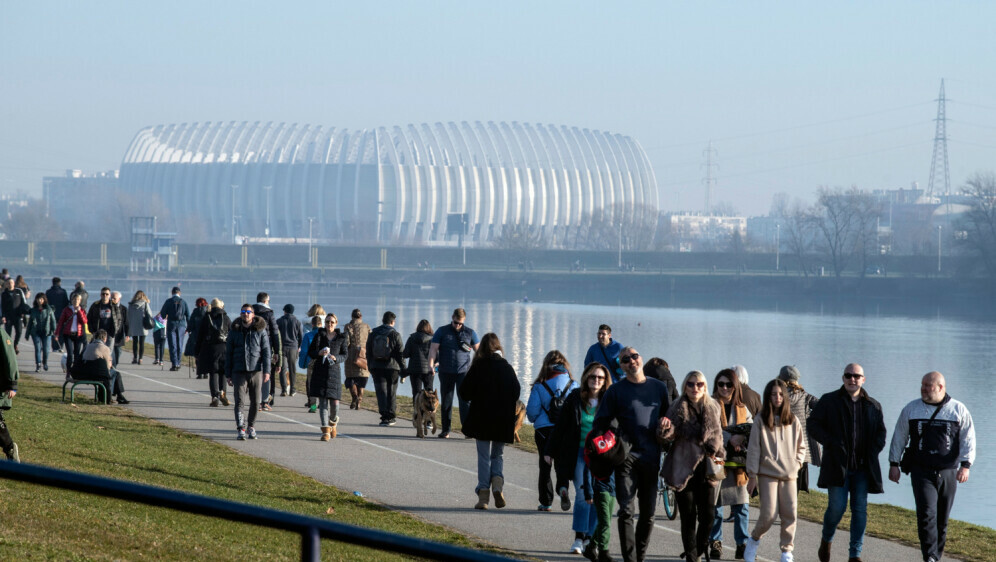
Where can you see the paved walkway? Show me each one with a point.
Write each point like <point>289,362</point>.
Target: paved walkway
<point>432,479</point>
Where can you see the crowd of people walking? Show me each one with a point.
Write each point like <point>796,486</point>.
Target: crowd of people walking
<point>610,435</point>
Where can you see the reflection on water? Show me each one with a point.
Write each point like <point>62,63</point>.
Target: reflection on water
<point>895,350</point>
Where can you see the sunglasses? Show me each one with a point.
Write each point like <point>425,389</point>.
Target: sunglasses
<point>105,294</point>
<point>852,376</point>
<point>455,323</point>
<point>693,384</point>
<point>246,312</point>
<point>724,385</point>
<point>628,358</point>
<point>598,377</point>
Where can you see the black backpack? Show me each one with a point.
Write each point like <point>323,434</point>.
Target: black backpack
<point>556,402</point>
<point>382,347</point>
<point>220,332</point>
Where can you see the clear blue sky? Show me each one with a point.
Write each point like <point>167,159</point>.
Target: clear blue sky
<point>793,95</point>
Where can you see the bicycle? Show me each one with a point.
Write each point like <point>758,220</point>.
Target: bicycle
<point>665,495</point>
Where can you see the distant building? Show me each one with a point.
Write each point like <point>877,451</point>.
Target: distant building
<point>67,197</point>
<point>418,184</point>
<point>690,232</point>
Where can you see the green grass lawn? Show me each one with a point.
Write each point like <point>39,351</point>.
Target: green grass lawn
<point>42,523</point>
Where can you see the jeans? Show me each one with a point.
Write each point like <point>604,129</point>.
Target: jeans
<point>41,349</point>
<point>697,508</point>
<point>585,516</point>
<point>740,520</point>
<point>855,485</point>
<point>137,347</point>
<point>386,387</point>
<point>934,493</point>
<point>489,463</point>
<point>545,485</point>
<point>74,349</point>
<point>328,411</point>
<point>115,355</point>
<point>448,382</point>
<point>174,333</point>
<point>636,481</point>
<point>247,390</point>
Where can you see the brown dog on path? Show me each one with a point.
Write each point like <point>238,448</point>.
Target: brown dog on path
<point>520,417</point>
<point>426,404</point>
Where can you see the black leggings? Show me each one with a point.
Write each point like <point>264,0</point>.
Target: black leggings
<point>697,504</point>
<point>545,484</point>
<point>14,324</point>
<point>138,346</point>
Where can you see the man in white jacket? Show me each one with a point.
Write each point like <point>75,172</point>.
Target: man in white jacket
<point>936,435</point>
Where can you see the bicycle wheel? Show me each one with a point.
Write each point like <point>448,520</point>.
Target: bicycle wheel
<point>666,497</point>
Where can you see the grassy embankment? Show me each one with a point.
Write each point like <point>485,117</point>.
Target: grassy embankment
<point>967,541</point>
<point>46,523</point>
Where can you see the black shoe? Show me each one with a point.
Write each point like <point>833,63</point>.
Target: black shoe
<point>590,552</point>
<point>716,550</point>
<point>121,399</point>
<point>444,435</point>
<point>740,551</point>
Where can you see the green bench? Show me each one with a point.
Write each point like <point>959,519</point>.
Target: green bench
<point>99,390</point>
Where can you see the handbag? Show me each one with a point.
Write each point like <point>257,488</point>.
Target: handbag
<point>715,471</point>
<point>906,462</point>
<point>148,322</point>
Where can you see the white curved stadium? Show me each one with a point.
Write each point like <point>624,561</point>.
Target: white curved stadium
<point>403,184</point>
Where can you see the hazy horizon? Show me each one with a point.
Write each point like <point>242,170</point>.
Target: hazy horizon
<point>792,96</point>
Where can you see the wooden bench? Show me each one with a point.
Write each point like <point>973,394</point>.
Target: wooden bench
<point>99,390</point>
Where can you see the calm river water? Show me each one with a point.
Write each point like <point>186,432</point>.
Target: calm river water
<point>895,350</point>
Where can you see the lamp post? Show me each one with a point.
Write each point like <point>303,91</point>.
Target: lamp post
<point>266,231</point>
<point>311,221</point>
<point>778,245</point>
<point>234,188</point>
<point>938,248</point>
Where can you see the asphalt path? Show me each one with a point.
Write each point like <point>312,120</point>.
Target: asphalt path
<point>432,479</point>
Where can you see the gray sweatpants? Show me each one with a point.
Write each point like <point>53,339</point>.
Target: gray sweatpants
<point>248,389</point>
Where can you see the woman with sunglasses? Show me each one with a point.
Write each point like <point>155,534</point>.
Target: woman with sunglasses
<point>328,349</point>
<point>694,427</point>
<point>565,449</point>
<point>553,382</point>
<point>736,422</point>
<point>492,388</point>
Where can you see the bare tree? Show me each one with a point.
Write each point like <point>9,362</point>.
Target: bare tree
<point>838,226</point>
<point>30,223</point>
<point>979,223</point>
<point>800,235</point>
<point>602,229</point>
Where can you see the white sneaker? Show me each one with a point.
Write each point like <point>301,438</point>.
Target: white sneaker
<point>750,550</point>
<point>577,547</point>
<point>786,557</point>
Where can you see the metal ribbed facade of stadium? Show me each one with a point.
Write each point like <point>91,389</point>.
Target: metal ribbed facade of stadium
<point>400,184</point>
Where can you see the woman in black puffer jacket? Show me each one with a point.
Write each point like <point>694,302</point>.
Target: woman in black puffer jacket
<point>417,353</point>
<point>328,349</point>
<point>492,388</point>
<point>209,350</point>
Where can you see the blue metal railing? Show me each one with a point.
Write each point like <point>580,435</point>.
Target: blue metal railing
<point>311,529</point>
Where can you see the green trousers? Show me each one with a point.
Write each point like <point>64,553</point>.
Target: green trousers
<point>605,502</point>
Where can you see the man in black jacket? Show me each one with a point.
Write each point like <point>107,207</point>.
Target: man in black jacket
<point>849,425</point>
<point>291,335</point>
<point>262,310</point>
<point>247,366</point>
<point>58,300</point>
<point>12,304</point>
<point>384,357</point>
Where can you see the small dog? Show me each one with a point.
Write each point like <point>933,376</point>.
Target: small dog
<point>426,403</point>
<point>520,417</point>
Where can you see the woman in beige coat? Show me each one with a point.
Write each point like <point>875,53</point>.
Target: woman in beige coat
<point>775,454</point>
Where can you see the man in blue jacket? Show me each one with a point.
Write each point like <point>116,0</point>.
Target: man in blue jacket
<point>452,349</point>
<point>177,313</point>
<point>247,366</point>
<point>606,351</point>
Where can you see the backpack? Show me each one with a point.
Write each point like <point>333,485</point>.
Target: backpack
<point>382,347</point>
<point>556,402</point>
<point>220,332</point>
<point>178,309</point>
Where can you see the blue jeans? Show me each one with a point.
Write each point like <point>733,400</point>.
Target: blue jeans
<point>174,335</point>
<point>41,349</point>
<point>855,484</point>
<point>489,463</point>
<point>585,516</point>
<point>740,520</point>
